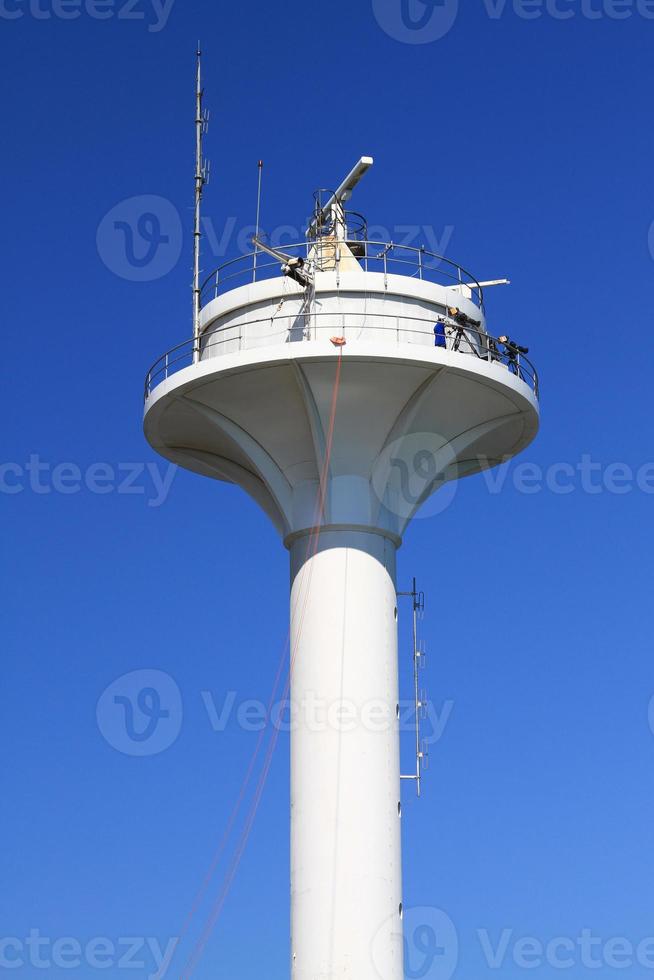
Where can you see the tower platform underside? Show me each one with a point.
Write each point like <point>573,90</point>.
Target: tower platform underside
<point>407,419</point>
<point>254,406</point>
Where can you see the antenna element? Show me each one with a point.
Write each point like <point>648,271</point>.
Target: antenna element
<point>421,703</point>
<point>201,178</point>
<point>256,234</point>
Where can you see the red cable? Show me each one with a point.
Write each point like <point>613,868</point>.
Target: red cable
<point>314,538</point>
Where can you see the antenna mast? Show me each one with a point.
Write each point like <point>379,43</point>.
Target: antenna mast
<point>201,178</point>
<point>256,234</point>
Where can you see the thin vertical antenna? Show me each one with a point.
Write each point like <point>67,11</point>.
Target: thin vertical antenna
<point>256,247</point>
<point>201,178</point>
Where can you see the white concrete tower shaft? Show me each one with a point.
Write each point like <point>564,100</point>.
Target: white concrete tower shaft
<point>346,868</point>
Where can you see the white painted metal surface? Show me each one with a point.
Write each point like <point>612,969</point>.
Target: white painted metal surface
<point>363,306</point>
<point>346,875</point>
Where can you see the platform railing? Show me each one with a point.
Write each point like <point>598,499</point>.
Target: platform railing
<point>299,328</point>
<point>384,257</point>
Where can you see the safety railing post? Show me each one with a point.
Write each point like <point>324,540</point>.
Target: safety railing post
<point>422,248</point>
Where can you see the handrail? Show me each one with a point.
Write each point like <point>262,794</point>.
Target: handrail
<point>427,265</point>
<point>475,343</point>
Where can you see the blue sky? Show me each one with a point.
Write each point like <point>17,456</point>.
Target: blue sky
<point>524,143</point>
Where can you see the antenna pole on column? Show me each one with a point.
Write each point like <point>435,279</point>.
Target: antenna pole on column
<point>201,179</point>
<point>418,602</point>
<point>256,236</point>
